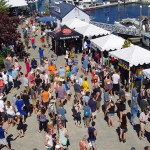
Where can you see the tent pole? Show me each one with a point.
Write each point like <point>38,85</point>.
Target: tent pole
<point>142,81</point>
<point>55,47</point>
<point>102,57</point>
<point>129,79</point>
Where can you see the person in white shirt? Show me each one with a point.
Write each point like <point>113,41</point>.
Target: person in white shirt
<point>5,79</point>
<point>46,78</point>
<point>143,121</point>
<point>49,140</point>
<point>10,110</point>
<point>26,82</point>
<point>116,80</point>
<point>2,105</point>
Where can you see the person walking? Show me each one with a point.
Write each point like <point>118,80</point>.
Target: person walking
<point>93,105</point>
<point>27,64</point>
<point>20,107</point>
<point>143,103</point>
<point>134,112</point>
<point>110,113</point>
<point>41,55</point>
<point>92,136</point>
<point>123,128</point>
<point>33,42</point>
<point>10,111</point>
<point>2,137</point>
<point>87,115</point>
<point>115,80</point>
<point>61,111</point>
<point>143,122</point>
<point>63,137</point>
<point>42,120</point>
<point>26,99</point>
<point>83,143</point>
<point>49,144</point>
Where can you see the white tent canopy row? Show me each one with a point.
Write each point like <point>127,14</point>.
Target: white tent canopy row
<point>108,42</point>
<point>74,23</point>
<point>91,30</point>
<point>17,3</point>
<point>146,73</point>
<point>85,28</point>
<point>134,55</point>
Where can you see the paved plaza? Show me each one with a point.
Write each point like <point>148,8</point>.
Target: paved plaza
<point>107,138</point>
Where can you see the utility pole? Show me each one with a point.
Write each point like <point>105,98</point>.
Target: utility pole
<point>118,10</point>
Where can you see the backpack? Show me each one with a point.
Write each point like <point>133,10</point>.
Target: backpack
<point>86,112</point>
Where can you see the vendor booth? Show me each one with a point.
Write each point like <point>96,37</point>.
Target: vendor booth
<point>107,43</point>
<point>66,38</point>
<point>132,60</point>
<point>92,30</point>
<point>75,23</point>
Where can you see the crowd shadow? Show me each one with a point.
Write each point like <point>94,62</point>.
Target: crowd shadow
<point>9,139</point>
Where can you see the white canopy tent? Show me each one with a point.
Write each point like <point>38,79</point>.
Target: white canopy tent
<point>146,73</point>
<point>91,30</point>
<point>134,55</point>
<point>108,42</point>
<point>17,3</point>
<point>75,23</point>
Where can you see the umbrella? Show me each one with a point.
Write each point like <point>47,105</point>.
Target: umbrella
<point>46,19</point>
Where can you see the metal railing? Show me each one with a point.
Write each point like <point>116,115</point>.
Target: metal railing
<point>118,29</point>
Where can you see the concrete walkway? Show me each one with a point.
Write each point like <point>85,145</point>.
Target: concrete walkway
<point>107,138</point>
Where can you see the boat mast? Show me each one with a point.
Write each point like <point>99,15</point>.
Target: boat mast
<point>149,18</point>
<point>92,3</point>
<point>118,10</point>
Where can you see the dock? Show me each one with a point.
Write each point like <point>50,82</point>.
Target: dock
<point>108,5</point>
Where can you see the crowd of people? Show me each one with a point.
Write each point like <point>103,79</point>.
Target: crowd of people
<point>48,88</point>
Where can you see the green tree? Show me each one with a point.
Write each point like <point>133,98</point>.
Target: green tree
<point>4,7</point>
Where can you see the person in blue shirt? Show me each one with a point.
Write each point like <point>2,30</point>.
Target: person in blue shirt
<point>74,70</point>
<point>75,61</point>
<point>61,111</point>
<point>134,111</point>
<point>41,54</point>
<point>134,94</point>
<point>85,66</point>
<point>20,107</point>
<point>62,72</point>
<point>2,137</point>
<point>15,78</point>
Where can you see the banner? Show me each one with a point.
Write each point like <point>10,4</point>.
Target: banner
<point>124,64</point>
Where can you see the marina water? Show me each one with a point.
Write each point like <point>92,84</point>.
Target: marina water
<point>110,14</point>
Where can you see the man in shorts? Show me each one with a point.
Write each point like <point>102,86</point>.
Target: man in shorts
<point>116,80</point>
<point>92,135</point>
<point>85,65</point>
<point>143,121</point>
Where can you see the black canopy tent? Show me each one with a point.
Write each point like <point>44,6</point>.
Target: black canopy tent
<point>64,38</point>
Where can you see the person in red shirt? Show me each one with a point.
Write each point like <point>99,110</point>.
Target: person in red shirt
<point>31,79</point>
<point>33,42</point>
<point>2,85</point>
